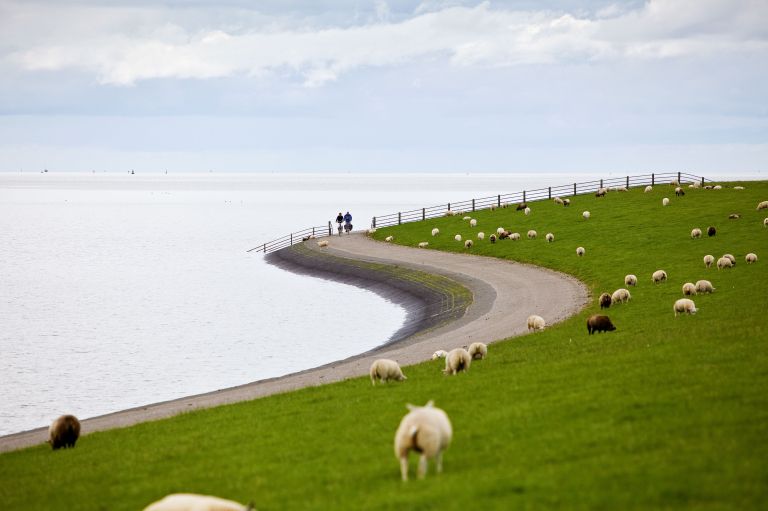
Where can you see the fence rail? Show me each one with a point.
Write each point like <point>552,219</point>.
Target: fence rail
<point>550,192</point>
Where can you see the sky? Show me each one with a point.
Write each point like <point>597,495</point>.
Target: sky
<point>577,86</point>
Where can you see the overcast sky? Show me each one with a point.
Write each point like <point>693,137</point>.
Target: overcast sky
<point>398,85</point>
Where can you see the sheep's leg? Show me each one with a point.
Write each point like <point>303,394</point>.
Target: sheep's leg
<point>404,467</point>
<point>439,462</point>
<point>422,466</point>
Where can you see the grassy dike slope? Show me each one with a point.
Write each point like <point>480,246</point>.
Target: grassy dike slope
<point>665,413</point>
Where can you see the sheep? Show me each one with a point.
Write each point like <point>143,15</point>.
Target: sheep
<point>601,192</point>
<point>500,230</point>
<point>580,251</point>
<point>478,350</point>
<point>599,323</point>
<point>389,238</point>
<point>604,300</point>
<point>194,502</point>
<point>558,201</point>
<point>734,216</point>
<point>450,213</point>
<point>689,289</point>
<point>765,222</point>
<point>665,202</point>
<point>515,236</point>
<point>621,189</point>
<point>527,211</point>
<point>696,233</point>
<point>426,430</point>
<point>679,192</point>
<point>724,262</point>
<point>709,260</point>
<point>550,237</point>
<point>536,323</point>
<point>467,218</point>
<point>473,223</point>
<point>586,215</point>
<point>621,295</point>
<point>493,238</point>
<point>717,187</point>
<point>532,234</point>
<point>435,231</point>
<point>695,184</point>
<point>504,205</point>
<point>457,237</point>
<point>439,354</point>
<point>659,276</point>
<point>64,432</point>
<point>738,187</point>
<point>648,188</point>
<point>481,235</point>
<point>372,230</point>
<point>674,182</point>
<point>521,206</point>
<point>730,256</point>
<point>566,203</point>
<point>384,370</point>
<point>324,243</point>
<point>630,280</point>
<point>423,244</point>
<point>751,258</point>
<point>711,231</point>
<point>457,360</point>
<point>468,244</point>
<point>684,306</point>
<point>704,286</point>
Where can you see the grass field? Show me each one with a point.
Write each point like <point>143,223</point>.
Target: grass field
<point>664,413</point>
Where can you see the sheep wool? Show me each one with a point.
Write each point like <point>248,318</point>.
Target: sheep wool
<point>732,259</point>
<point>473,223</point>
<point>481,235</point>
<point>64,432</point>
<point>435,231</point>
<point>439,354</point>
<point>456,361</point>
<point>324,243</point>
<point>536,323</point>
<point>527,211</point>
<point>724,262</point>
<point>621,295</point>
<point>384,370</point>
<point>659,276</point>
<point>586,215</point>
<point>423,244</point>
<point>493,238</point>
<point>550,237</point>
<point>704,286</point>
<point>665,202</point>
<point>689,289</point>
<point>604,300</point>
<point>763,205</point>
<point>696,233</point>
<point>630,280</point>
<point>515,236</point>
<point>467,218</point>
<point>580,251</point>
<point>426,430</point>
<point>389,238</point>
<point>709,260</point>
<point>457,237</point>
<point>500,230</point>
<point>193,502</point>
<point>648,188</point>
<point>468,244</point>
<point>532,234</point>
<point>478,350</point>
<point>751,258</point>
<point>684,306</point>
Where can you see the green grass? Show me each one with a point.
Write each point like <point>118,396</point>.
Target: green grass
<point>664,413</point>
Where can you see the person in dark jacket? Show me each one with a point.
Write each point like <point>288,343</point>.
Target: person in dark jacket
<point>347,222</point>
<point>340,220</point>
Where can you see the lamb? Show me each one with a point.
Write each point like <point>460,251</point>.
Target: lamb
<point>389,238</point>
<point>679,192</point>
<point>515,236</point>
<point>580,251</point>
<point>194,502</point>
<point>648,188</point>
<point>566,203</point>
<point>704,286</point>
<point>599,323</point>
<point>536,323</point>
<point>478,350</point>
<point>558,201</point>
<point>532,234</point>
<point>630,280</point>
<point>435,231</point>
<point>423,244</point>
<point>527,211</point>
<point>586,215</point>
<point>709,260</point>
<point>762,205</point>
<point>473,223</point>
<point>324,243</point>
<point>384,370</point>
<point>457,360</point>
<point>601,192</point>
<point>493,238</point>
<point>730,256</point>
<point>621,295</point>
<point>457,237</point>
<point>696,233</point>
<point>751,258</point>
<point>684,306</point>
<point>521,206</point>
<point>481,235</point>
<point>64,432</point>
<point>426,430</point>
<point>724,262</point>
<point>468,244</point>
<point>659,276</point>
<point>665,202</point>
<point>605,301</point>
<point>439,354</point>
<point>689,289</point>
<point>711,231</point>
<point>550,237</point>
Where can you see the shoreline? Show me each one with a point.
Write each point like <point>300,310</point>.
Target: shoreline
<point>504,292</point>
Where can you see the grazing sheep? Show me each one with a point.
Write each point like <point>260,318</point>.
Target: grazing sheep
<point>734,216</point>
<point>696,233</point>
<point>674,182</point>
<point>64,432</point>
<point>457,237</point>
<point>423,244</point>
<point>504,235</point>
<point>605,301</point>
<point>679,192</point>
<point>724,262</point>
<point>765,222</point>
<point>580,251</point>
<point>550,237</point>
<point>586,215</point>
<point>648,188</point>
<point>515,236</point>
<point>467,218</point>
<point>536,323</point>
<point>468,244</point>
<point>477,350</point>
<point>665,202</point>
<point>439,354</point>
<point>684,306</point>
<point>473,223</point>
<point>500,230</point>
<point>738,187</point>
<point>504,205</point>
<point>599,323</point>
<point>532,234</point>
<point>527,211</point>
<point>621,189</point>
<point>426,430</point>
<point>695,184</point>
<point>659,276</point>
<point>717,187</point>
<point>566,203</point>
<point>493,238</point>
<point>481,235</point>
<point>384,370</point>
<point>558,201</point>
<point>711,231</point>
<point>389,238</point>
<point>762,205</point>
<point>751,258</point>
<point>521,206</point>
<point>704,286</point>
<point>709,260</point>
<point>324,243</point>
<point>601,192</point>
<point>372,230</point>
<point>689,289</point>
<point>630,280</point>
<point>730,256</point>
<point>708,187</point>
<point>457,360</point>
<point>450,213</point>
<point>621,295</point>
<point>435,231</point>
<point>193,502</point>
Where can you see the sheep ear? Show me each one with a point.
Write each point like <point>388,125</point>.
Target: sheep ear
<point>429,404</point>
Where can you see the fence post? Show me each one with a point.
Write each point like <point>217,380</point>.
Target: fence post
<point>399,218</point>
<point>653,179</point>
<point>627,181</point>
<point>601,183</point>
<point>473,204</point>
<point>373,222</point>
<point>498,201</point>
<point>702,180</point>
<point>678,178</point>
<point>423,213</point>
<point>550,192</point>
<point>574,188</point>
<point>313,231</point>
<point>449,206</point>
<point>523,196</point>
<point>264,248</point>
<point>329,228</point>
<point>291,238</point>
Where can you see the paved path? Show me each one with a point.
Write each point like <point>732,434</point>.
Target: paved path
<point>505,294</point>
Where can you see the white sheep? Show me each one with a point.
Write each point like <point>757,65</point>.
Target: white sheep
<point>550,237</point>
<point>717,187</point>
<point>372,230</point>
<point>457,237</point>
<point>765,222</point>
<point>731,258</point>
<point>423,244</point>
<point>478,350</point>
<point>704,286</point>
<point>439,354</point>
<point>586,215</point>
<point>738,187</point>
<point>674,182</point>
<point>751,258</point>
<point>532,234</point>
<point>621,189</point>
<point>621,295</point>
<point>450,213</point>
<point>536,323</point>
<point>515,236</point>
<point>724,262</point>
<point>323,243</point>
<point>389,238</point>
<point>384,370</point>
<point>580,251</point>
<point>457,360</point>
<point>648,188</point>
<point>665,202</point>
<point>194,502</point>
<point>684,306</point>
<point>481,235</point>
<point>435,231</point>
<point>659,276</point>
<point>468,244</point>
<point>500,230</point>
<point>630,280</point>
<point>527,211</point>
<point>467,218</point>
<point>689,289</point>
<point>709,260</point>
<point>558,201</point>
<point>473,223</point>
<point>426,430</point>
<point>696,233</point>
<point>566,202</point>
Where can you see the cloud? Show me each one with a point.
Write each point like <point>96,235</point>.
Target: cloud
<point>125,45</point>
